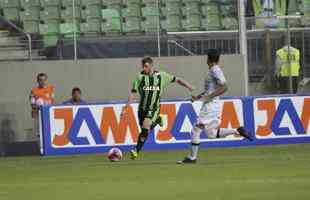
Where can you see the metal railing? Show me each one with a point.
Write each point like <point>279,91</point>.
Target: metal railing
<point>23,32</point>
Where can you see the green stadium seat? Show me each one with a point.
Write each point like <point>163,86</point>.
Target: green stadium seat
<point>10,3</point>
<point>132,25</point>
<point>30,13</point>
<point>67,14</point>
<point>206,2</point>
<point>46,3</point>
<point>110,13</point>
<point>111,2</point>
<point>30,3</point>
<point>305,9</point>
<point>229,11</point>
<point>69,28</point>
<point>172,8</point>
<point>49,27</point>
<point>230,23</point>
<point>227,2</point>
<point>212,22</point>
<point>91,2</point>
<point>112,21</point>
<point>117,7</point>
<point>150,24</point>
<point>50,40</point>
<point>210,10</point>
<point>133,10</point>
<point>11,14</point>
<point>68,3</point>
<point>50,12</point>
<point>91,11</point>
<point>172,23</point>
<point>151,3</point>
<point>31,26</point>
<point>192,22</point>
<point>191,8</point>
<point>112,26</point>
<point>149,11</point>
<point>91,26</point>
<point>127,2</point>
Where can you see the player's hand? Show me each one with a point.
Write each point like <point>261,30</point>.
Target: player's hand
<point>207,99</point>
<point>194,98</point>
<point>124,111</point>
<point>191,88</point>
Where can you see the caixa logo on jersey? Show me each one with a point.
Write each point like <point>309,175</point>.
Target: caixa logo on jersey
<point>95,128</point>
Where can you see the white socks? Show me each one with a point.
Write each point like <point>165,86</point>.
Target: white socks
<point>194,151</point>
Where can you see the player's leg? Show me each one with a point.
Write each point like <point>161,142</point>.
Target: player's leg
<point>157,119</point>
<point>213,131</point>
<point>147,121</point>
<point>195,142</point>
<point>146,127</point>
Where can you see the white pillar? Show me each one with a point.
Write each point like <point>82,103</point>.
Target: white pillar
<point>74,31</point>
<point>158,29</point>
<point>243,43</point>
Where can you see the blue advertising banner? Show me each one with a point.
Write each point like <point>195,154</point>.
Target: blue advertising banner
<point>95,128</point>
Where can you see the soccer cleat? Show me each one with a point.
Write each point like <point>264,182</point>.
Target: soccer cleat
<point>241,130</point>
<point>187,160</point>
<point>133,155</point>
<point>160,121</point>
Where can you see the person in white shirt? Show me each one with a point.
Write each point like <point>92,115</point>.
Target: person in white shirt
<point>209,116</point>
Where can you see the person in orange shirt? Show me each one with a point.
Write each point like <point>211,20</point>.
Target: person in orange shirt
<point>42,94</point>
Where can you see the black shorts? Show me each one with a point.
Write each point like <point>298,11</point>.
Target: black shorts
<point>150,114</point>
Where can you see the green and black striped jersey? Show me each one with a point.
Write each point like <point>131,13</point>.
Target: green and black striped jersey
<point>150,88</point>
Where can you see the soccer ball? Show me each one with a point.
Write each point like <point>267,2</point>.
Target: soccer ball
<point>115,154</point>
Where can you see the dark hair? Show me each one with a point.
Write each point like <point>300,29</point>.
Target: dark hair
<point>214,55</point>
<point>76,89</point>
<point>147,59</point>
<point>40,75</point>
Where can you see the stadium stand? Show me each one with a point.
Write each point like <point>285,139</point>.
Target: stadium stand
<point>121,17</point>
<point>106,27</point>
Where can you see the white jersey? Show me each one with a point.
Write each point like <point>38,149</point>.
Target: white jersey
<point>210,112</point>
<point>215,77</point>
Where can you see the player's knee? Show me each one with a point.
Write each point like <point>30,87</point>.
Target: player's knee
<point>147,124</point>
<point>144,133</point>
<point>211,133</point>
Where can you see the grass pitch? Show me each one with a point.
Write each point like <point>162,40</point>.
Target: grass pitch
<point>264,172</point>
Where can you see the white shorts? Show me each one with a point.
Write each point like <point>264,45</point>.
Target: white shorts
<point>209,114</point>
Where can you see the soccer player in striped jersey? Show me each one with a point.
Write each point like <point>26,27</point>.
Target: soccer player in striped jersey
<point>209,116</point>
<point>150,84</point>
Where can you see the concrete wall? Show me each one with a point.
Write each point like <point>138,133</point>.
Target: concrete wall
<point>99,80</point>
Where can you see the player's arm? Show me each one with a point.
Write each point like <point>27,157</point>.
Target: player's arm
<point>53,96</point>
<point>221,86</point>
<point>199,96</point>
<point>131,98</point>
<point>133,94</point>
<point>221,89</point>
<point>32,100</point>
<point>184,83</point>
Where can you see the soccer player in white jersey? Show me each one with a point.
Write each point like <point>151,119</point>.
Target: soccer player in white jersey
<point>209,116</point>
